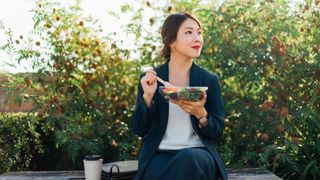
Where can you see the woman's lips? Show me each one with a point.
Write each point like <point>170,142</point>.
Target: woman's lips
<point>196,47</point>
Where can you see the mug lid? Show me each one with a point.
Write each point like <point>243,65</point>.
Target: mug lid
<point>92,157</point>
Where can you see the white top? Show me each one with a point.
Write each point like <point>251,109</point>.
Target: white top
<point>179,133</point>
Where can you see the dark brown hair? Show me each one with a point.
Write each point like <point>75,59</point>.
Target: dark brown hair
<point>170,29</point>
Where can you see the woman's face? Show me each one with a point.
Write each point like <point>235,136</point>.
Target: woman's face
<point>189,39</point>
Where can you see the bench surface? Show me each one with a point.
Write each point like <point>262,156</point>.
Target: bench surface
<point>233,174</point>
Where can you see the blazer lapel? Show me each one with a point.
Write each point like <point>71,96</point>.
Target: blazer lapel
<point>163,73</point>
<point>195,78</point>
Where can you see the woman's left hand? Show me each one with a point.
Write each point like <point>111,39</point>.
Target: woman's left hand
<point>195,108</point>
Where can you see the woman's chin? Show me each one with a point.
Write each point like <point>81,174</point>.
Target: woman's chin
<point>195,55</point>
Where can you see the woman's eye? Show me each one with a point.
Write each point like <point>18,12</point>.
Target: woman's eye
<point>188,32</point>
<point>199,32</point>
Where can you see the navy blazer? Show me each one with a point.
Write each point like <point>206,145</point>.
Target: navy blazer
<point>150,123</point>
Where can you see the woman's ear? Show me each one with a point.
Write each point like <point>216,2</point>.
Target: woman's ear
<point>172,48</point>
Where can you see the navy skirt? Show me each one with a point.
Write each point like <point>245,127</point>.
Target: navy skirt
<point>184,164</point>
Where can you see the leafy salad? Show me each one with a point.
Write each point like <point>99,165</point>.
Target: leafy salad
<point>183,93</point>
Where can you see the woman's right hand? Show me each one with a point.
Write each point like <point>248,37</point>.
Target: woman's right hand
<point>149,85</point>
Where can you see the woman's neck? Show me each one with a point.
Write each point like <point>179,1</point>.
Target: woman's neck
<point>179,65</point>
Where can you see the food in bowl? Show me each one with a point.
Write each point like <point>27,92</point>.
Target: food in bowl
<point>183,93</point>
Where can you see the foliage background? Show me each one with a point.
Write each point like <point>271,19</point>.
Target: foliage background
<point>266,54</point>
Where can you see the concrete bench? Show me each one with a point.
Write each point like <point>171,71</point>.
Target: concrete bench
<point>251,174</point>
<point>233,174</point>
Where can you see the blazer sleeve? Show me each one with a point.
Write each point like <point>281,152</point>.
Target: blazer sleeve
<point>142,116</point>
<point>216,113</point>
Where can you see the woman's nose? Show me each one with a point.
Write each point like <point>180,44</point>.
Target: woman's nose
<point>197,38</point>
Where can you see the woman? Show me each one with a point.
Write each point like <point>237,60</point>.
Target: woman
<point>178,134</point>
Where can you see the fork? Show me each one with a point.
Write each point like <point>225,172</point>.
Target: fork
<point>165,83</point>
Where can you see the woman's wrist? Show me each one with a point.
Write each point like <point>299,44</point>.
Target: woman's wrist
<point>147,99</point>
<point>202,113</point>
<point>203,118</point>
<point>203,122</point>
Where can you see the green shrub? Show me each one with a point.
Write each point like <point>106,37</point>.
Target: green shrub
<point>19,141</point>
